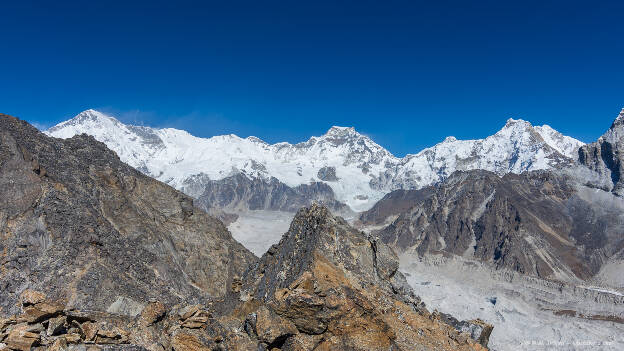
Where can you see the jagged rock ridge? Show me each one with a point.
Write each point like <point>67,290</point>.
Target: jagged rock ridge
<point>320,305</point>
<point>336,289</point>
<point>606,157</point>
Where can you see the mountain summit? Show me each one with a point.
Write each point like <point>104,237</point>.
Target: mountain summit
<point>606,157</point>
<point>366,170</point>
<point>619,120</point>
<point>83,120</point>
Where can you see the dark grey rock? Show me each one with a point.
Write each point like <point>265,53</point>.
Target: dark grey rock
<point>327,174</point>
<point>83,227</point>
<point>514,221</point>
<point>240,192</point>
<point>606,157</point>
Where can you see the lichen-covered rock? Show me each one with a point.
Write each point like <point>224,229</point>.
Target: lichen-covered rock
<point>20,338</point>
<point>476,329</point>
<point>342,291</point>
<point>56,325</point>
<point>30,297</point>
<point>152,313</point>
<point>272,329</point>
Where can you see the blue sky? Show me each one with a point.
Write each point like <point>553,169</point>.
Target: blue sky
<point>407,73</point>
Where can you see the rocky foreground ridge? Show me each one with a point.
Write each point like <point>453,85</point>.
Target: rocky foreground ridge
<point>95,255</point>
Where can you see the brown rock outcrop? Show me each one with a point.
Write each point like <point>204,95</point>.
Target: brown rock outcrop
<point>342,291</point>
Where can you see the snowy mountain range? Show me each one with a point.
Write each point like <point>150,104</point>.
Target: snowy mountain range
<point>354,167</point>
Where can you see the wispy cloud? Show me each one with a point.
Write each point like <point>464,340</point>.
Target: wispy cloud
<point>41,126</point>
<point>197,123</point>
<point>134,117</point>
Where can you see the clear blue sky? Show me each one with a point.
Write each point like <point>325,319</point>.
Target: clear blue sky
<point>407,73</point>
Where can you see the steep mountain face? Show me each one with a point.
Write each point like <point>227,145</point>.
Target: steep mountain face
<point>84,228</point>
<point>239,193</point>
<point>606,157</point>
<point>358,171</point>
<point>537,223</point>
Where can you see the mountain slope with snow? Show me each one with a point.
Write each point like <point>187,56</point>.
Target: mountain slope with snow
<point>516,148</point>
<point>358,170</point>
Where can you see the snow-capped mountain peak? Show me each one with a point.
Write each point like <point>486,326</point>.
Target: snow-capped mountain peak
<point>254,139</point>
<point>341,131</point>
<point>518,128</point>
<point>358,170</point>
<point>341,135</point>
<point>514,122</point>
<point>564,144</point>
<point>91,114</point>
<point>90,118</point>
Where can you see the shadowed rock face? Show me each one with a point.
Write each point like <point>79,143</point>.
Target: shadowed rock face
<point>328,174</point>
<point>394,204</point>
<point>239,192</point>
<point>81,226</point>
<point>606,156</point>
<point>536,223</point>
